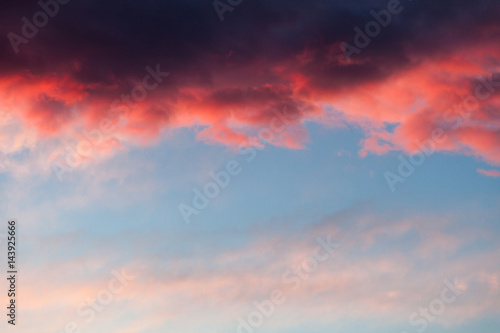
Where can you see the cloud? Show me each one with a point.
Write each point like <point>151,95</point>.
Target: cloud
<point>490,173</point>
<point>225,79</point>
<point>380,271</point>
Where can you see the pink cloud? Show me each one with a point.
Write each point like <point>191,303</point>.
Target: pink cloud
<point>490,173</point>
<point>416,99</point>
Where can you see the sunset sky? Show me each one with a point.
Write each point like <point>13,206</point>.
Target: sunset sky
<point>207,154</point>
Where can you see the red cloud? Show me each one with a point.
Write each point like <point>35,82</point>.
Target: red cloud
<point>440,91</point>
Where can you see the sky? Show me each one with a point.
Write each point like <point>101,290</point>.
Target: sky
<point>251,166</point>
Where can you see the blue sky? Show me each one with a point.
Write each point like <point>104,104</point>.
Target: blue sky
<point>268,216</point>
<point>327,212</point>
